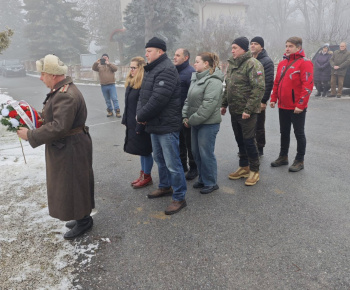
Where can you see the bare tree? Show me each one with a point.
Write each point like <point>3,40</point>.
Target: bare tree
<point>325,21</point>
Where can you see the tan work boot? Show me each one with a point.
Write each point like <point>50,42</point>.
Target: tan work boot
<point>253,178</point>
<point>109,113</point>
<point>239,173</point>
<point>160,192</point>
<point>117,113</point>
<point>175,207</point>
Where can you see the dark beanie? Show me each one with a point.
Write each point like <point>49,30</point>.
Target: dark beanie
<point>259,40</point>
<point>242,42</point>
<point>105,54</point>
<point>157,43</point>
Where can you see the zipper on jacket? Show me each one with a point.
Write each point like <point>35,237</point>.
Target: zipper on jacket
<point>293,96</point>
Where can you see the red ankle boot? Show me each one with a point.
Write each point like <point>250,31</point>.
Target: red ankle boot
<point>144,181</point>
<point>137,180</point>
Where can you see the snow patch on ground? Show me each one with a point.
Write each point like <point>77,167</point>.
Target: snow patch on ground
<point>33,253</point>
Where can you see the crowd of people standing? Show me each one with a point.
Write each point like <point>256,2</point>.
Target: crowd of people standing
<point>172,116</point>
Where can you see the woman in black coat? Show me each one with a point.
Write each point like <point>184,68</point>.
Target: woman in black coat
<point>137,140</point>
<point>322,71</point>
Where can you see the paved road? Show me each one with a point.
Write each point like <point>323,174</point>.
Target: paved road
<point>290,231</point>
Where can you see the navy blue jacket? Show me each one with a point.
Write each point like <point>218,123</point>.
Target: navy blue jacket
<point>269,69</point>
<point>160,97</point>
<point>185,72</point>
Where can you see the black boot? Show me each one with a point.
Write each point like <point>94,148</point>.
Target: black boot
<point>71,224</point>
<point>81,227</point>
<point>192,173</point>
<point>318,94</point>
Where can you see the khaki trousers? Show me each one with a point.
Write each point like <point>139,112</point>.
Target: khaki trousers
<point>337,80</point>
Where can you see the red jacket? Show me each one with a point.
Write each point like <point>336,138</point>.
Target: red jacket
<point>296,86</point>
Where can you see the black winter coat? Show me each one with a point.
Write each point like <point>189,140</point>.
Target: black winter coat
<point>137,144</point>
<point>160,97</point>
<point>269,69</point>
<point>322,67</point>
<point>185,73</point>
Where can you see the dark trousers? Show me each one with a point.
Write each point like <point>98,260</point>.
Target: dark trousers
<point>185,148</point>
<point>244,130</point>
<point>260,129</point>
<point>287,118</point>
<point>337,80</point>
<point>322,87</point>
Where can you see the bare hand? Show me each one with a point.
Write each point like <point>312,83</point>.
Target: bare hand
<point>297,110</point>
<point>336,67</point>
<point>272,104</point>
<point>23,133</point>
<point>223,111</point>
<point>245,116</point>
<point>263,107</point>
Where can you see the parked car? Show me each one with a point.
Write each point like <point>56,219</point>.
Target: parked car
<point>347,76</point>
<point>12,67</point>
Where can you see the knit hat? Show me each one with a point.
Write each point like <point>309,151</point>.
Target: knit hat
<point>105,54</point>
<point>259,40</point>
<point>157,43</point>
<point>242,42</point>
<point>326,45</point>
<point>51,64</point>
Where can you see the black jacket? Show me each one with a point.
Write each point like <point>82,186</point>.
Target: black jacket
<point>160,97</point>
<point>137,144</point>
<point>185,73</point>
<point>269,69</point>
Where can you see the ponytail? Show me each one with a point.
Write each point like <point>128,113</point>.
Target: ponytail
<point>212,59</point>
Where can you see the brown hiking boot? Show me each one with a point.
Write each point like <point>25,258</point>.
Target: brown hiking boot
<point>145,180</point>
<point>160,192</point>
<point>175,207</point>
<point>239,173</point>
<point>281,160</point>
<point>109,113</point>
<point>117,113</point>
<point>296,166</point>
<point>253,178</point>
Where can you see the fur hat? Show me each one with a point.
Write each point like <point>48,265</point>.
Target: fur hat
<point>258,39</point>
<point>242,42</point>
<point>157,43</point>
<point>51,64</point>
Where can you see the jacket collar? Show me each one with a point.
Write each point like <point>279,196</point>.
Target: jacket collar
<point>236,62</point>
<point>182,66</point>
<point>262,54</point>
<point>153,64</point>
<point>67,80</point>
<point>293,56</point>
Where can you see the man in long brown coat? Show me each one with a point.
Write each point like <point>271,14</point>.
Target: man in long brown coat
<point>340,61</point>
<point>68,151</point>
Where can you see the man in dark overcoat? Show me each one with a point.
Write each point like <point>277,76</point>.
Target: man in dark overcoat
<point>68,148</point>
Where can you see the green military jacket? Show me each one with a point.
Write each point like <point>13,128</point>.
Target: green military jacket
<point>245,85</point>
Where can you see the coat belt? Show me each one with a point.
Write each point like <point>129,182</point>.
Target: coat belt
<point>78,130</point>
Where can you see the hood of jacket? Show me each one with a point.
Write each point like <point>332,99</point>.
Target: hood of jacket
<point>203,76</point>
<point>236,62</point>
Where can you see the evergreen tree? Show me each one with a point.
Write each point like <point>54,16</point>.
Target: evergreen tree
<point>54,27</point>
<point>5,39</point>
<point>12,17</point>
<point>147,18</point>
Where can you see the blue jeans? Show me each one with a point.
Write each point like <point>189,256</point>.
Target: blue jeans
<point>147,163</point>
<point>203,145</point>
<point>110,94</point>
<point>166,154</point>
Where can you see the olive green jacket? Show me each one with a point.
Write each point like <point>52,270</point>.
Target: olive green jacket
<point>340,58</point>
<point>204,98</point>
<point>245,85</point>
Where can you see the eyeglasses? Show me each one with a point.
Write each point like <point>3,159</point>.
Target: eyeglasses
<point>133,68</point>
